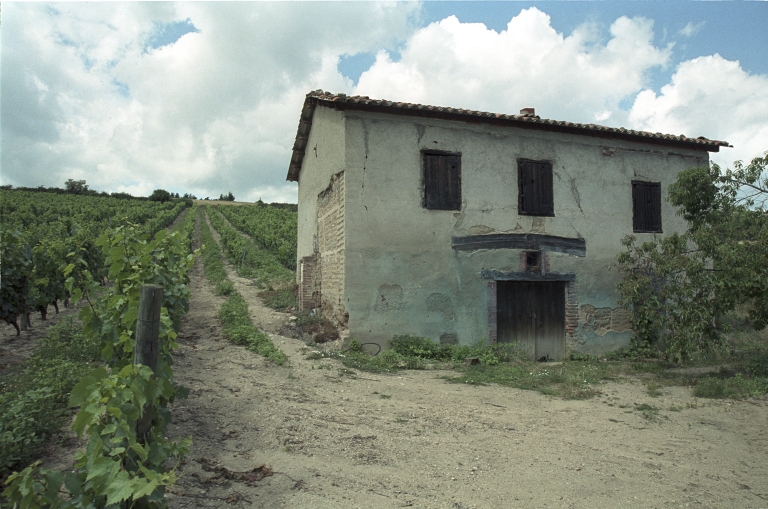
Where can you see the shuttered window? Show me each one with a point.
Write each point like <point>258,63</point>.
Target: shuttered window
<point>535,196</point>
<point>442,181</point>
<point>646,207</point>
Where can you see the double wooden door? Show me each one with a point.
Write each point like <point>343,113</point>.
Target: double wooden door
<point>532,314</point>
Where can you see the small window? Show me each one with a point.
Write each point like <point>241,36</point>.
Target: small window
<point>442,181</point>
<point>535,196</point>
<point>533,261</point>
<point>646,207</point>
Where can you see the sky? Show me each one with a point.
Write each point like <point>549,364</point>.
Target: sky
<point>205,97</point>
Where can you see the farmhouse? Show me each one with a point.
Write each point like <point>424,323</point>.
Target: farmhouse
<point>460,225</point>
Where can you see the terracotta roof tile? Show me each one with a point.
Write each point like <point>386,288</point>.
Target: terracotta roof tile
<point>344,102</point>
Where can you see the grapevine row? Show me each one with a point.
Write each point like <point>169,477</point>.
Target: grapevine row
<point>273,228</point>
<point>247,257</point>
<point>42,233</point>
<point>118,468</point>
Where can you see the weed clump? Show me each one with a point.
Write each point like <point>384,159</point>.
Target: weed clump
<point>34,395</point>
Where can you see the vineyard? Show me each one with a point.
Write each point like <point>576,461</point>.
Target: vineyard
<point>41,234</point>
<point>98,253</point>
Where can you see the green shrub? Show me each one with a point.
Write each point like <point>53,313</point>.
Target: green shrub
<point>757,365</point>
<point>415,346</point>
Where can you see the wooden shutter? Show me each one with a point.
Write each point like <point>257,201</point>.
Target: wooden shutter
<point>646,207</point>
<point>535,188</point>
<point>442,181</point>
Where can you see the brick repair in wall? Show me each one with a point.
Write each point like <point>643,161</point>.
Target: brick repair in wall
<point>328,278</point>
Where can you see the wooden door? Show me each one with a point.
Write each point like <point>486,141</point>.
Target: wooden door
<point>532,314</point>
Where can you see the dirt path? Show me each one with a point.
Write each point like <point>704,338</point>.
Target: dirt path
<point>339,439</point>
<point>14,349</point>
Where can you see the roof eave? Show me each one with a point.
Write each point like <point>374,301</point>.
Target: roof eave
<point>526,123</point>
<point>342,102</point>
<point>302,137</point>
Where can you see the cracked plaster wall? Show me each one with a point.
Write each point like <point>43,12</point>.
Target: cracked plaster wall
<point>392,242</point>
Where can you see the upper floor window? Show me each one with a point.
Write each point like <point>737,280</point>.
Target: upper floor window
<point>535,195</point>
<point>646,207</point>
<point>442,181</point>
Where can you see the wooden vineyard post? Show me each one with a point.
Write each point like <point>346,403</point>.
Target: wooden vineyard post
<point>147,334</point>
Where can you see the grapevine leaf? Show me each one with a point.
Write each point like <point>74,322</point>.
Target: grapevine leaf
<point>84,387</point>
<point>121,488</point>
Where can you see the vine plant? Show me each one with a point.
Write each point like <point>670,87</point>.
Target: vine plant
<point>117,470</point>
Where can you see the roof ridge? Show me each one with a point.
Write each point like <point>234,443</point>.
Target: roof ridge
<point>365,100</point>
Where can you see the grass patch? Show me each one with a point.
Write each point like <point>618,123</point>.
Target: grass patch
<point>280,300</point>
<point>214,268</point>
<point>578,377</point>
<point>569,379</point>
<point>34,394</point>
<point>735,387</point>
<point>239,329</point>
<point>653,389</point>
<point>225,288</point>
<point>649,412</point>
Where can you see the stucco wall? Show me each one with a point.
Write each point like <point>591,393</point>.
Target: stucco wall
<point>403,276</point>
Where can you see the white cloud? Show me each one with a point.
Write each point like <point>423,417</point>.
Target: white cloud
<point>570,77</point>
<point>712,97</point>
<point>84,96</point>
<point>692,28</point>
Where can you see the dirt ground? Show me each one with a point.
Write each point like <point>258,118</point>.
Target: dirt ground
<point>316,435</point>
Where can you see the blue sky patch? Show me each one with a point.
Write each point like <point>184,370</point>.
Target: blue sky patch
<point>352,66</point>
<point>164,34</point>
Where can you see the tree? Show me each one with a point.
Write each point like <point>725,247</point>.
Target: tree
<point>75,186</point>
<point>160,195</point>
<point>679,286</point>
<point>227,197</point>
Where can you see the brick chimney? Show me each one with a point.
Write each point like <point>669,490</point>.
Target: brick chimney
<point>528,112</point>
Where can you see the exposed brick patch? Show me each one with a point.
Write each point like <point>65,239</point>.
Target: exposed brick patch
<point>493,312</point>
<point>601,321</point>
<point>521,266</point>
<point>307,267</point>
<point>571,312</point>
<point>331,249</point>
